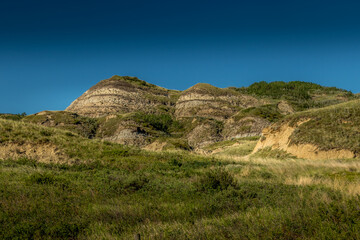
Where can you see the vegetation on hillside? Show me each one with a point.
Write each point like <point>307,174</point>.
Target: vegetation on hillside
<point>269,112</point>
<point>15,117</point>
<point>161,122</point>
<point>205,88</point>
<point>333,127</point>
<point>114,192</point>
<point>301,95</point>
<point>133,80</point>
<point>84,126</point>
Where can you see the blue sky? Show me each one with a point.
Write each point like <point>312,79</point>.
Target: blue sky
<point>53,51</point>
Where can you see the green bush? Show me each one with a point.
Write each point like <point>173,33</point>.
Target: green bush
<point>115,153</point>
<point>218,179</point>
<point>46,133</point>
<point>269,112</point>
<point>161,122</point>
<point>41,178</point>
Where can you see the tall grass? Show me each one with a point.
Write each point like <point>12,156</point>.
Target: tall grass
<point>115,192</point>
<point>177,196</point>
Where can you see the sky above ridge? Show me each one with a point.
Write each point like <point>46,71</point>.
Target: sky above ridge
<point>53,51</point>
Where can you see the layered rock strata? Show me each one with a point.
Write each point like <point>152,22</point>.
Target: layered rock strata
<point>205,100</point>
<point>120,95</point>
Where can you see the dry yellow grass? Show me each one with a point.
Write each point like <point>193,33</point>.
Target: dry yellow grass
<point>340,175</point>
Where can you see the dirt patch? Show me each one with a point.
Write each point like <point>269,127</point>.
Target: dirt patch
<point>46,153</point>
<point>280,139</point>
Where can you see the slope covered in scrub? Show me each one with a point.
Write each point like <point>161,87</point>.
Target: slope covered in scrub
<point>103,190</point>
<point>301,95</point>
<point>131,111</point>
<point>330,132</point>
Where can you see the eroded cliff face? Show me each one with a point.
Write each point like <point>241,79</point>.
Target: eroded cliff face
<point>279,137</point>
<point>204,132</point>
<point>129,134</point>
<point>205,100</point>
<point>244,127</point>
<point>208,114</point>
<point>120,95</point>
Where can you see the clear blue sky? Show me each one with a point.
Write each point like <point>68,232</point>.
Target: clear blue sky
<point>53,51</point>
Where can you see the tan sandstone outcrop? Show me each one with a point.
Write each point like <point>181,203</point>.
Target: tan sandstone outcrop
<point>279,138</point>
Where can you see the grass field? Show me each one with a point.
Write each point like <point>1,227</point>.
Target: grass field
<point>114,192</point>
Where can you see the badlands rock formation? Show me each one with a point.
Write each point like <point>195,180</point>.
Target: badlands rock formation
<point>205,100</point>
<point>133,112</point>
<point>209,109</point>
<point>120,95</point>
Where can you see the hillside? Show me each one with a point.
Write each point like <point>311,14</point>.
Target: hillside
<point>56,184</point>
<point>64,175</point>
<point>19,139</point>
<point>130,111</point>
<point>300,95</point>
<point>330,132</point>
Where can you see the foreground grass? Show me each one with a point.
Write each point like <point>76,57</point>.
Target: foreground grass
<point>113,192</point>
<point>178,196</point>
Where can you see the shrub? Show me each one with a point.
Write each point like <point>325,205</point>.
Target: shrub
<point>129,184</point>
<point>46,132</point>
<point>218,179</point>
<point>161,122</point>
<point>269,112</point>
<point>115,153</point>
<point>41,178</point>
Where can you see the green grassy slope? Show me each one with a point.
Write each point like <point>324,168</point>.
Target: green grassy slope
<point>114,192</point>
<point>333,127</point>
<point>301,95</point>
<point>81,125</point>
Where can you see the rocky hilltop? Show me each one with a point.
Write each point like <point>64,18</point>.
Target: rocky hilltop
<point>121,95</point>
<point>131,111</point>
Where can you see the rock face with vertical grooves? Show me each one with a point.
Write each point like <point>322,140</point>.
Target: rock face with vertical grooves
<point>120,95</point>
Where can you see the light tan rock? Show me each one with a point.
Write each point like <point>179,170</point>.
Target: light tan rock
<point>280,139</point>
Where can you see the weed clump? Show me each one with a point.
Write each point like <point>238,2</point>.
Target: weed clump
<point>218,180</point>
<point>41,178</point>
